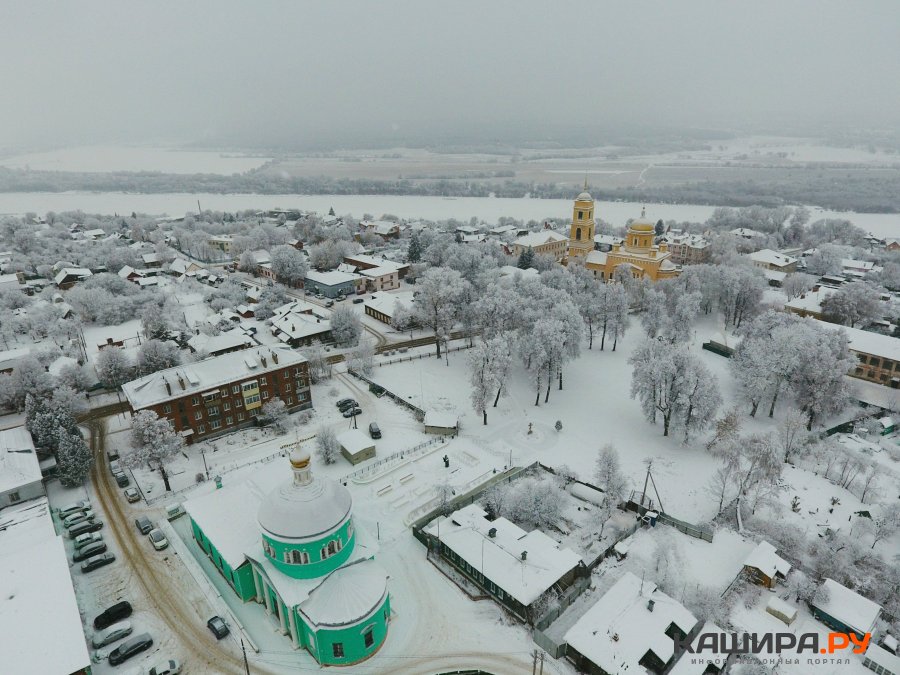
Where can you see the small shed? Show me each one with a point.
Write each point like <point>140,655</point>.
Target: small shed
<point>765,566</point>
<point>586,493</point>
<point>781,610</point>
<point>439,422</point>
<point>887,425</point>
<point>356,447</point>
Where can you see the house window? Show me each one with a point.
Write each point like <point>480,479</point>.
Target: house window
<point>265,395</point>
<point>368,638</point>
<point>195,400</point>
<point>235,389</point>
<point>213,412</point>
<point>581,215</point>
<point>216,424</point>
<point>262,381</point>
<point>201,429</point>
<point>239,403</point>
<point>198,415</point>
<point>287,386</point>
<point>254,399</point>
<point>298,371</point>
<point>287,372</point>
<point>288,400</point>
<point>301,397</point>
<point>229,420</point>
<point>240,417</point>
<point>13,497</point>
<point>247,386</point>
<point>337,649</point>
<point>227,406</point>
<point>167,409</point>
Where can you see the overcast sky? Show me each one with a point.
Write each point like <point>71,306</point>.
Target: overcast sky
<point>294,72</point>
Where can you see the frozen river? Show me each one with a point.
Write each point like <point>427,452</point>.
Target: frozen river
<point>409,207</point>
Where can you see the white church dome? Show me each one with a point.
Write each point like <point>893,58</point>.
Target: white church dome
<point>584,197</point>
<point>304,507</point>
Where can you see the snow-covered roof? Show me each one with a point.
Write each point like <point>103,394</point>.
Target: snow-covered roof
<point>539,238</point>
<point>811,301</point>
<point>150,258</point>
<point>39,605</point>
<point>879,656</point>
<point>9,280</point>
<point>210,373</point>
<point>181,266</point>
<point>57,366</point>
<point>355,441</point>
<point>609,239</point>
<point>861,265</point>
<point>295,325</point>
<point>747,232</point>
<point>769,257</point>
<point>380,271</point>
<point>331,278</point>
<point>10,357</point>
<point>620,627</point>
<point>513,271</point>
<point>386,303</point>
<point>775,275</point>
<point>499,558</point>
<point>261,256</point>
<point>696,664</point>
<point>866,342</point>
<point>347,595</point>
<point>213,344</point>
<point>596,258</point>
<point>776,604</point>
<point>886,422</point>
<point>766,560</point>
<point>584,197</point>
<point>690,240</point>
<point>848,607</point>
<point>587,493</point>
<point>18,459</point>
<point>26,523</point>
<point>441,419</point>
<point>79,272</point>
<point>127,271</point>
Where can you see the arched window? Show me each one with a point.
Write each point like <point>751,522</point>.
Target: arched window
<point>299,557</point>
<point>578,234</point>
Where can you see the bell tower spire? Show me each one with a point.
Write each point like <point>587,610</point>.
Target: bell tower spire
<point>581,231</point>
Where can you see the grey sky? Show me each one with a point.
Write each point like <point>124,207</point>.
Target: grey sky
<point>297,71</point>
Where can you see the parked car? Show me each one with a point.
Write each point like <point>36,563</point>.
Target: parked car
<point>79,517</point>
<point>122,479</point>
<point>75,507</point>
<point>374,431</point>
<point>143,524</point>
<point>132,495</point>
<point>112,634</point>
<point>345,402</point>
<point>158,539</point>
<point>112,455</point>
<point>89,551</point>
<point>357,301</point>
<point>130,648</point>
<point>329,303</point>
<point>97,562</point>
<point>170,667</point>
<point>114,467</point>
<point>218,627</point>
<point>85,527</point>
<point>112,614</point>
<point>352,412</point>
<point>83,540</point>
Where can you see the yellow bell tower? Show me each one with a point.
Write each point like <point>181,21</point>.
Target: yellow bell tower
<point>581,232</point>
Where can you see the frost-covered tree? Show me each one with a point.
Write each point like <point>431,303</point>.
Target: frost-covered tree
<point>28,377</point>
<point>655,317</point>
<point>271,298</point>
<point>76,377</point>
<point>113,367</point>
<point>288,264</point>
<point>526,259</point>
<point>346,326</point>
<point>319,367</point>
<point>478,362</point>
<point>818,381</point>
<point>275,413</point>
<point>790,433</point>
<point>155,355</point>
<point>617,308</point>
<point>825,260</point>
<point>885,523</point>
<point>608,474</point>
<point>327,445</point>
<point>592,306</point>
<point>436,304</point>
<point>153,322</point>
<point>534,503</point>
<point>403,318</point>
<point>797,284</point>
<point>856,304</point>
<point>153,441</point>
<point>687,308</point>
<point>362,358</point>
<point>247,262</point>
<point>414,252</point>
<point>740,293</point>
<point>700,397</point>
<point>74,458</point>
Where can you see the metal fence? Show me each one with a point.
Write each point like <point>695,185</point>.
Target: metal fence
<point>416,451</point>
<point>690,529</point>
<point>424,355</point>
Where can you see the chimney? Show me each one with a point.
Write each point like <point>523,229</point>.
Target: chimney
<point>263,359</point>
<point>650,604</point>
<point>168,387</point>
<point>492,533</point>
<point>274,358</point>
<point>524,555</point>
<point>181,381</point>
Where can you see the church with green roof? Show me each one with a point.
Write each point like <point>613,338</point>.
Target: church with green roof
<point>291,546</point>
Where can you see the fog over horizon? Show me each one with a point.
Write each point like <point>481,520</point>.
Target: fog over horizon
<point>354,73</point>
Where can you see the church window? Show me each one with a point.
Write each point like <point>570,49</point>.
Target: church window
<point>369,638</point>
<point>581,215</point>
<point>337,649</point>
<point>578,234</point>
<point>296,557</point>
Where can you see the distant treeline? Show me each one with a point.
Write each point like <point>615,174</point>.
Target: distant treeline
<point>874,192</point>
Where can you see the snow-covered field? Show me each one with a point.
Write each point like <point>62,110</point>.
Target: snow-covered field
<point>105,158</point>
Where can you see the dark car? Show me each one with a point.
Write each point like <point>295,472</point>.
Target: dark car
<point>357,301</point>
<point>130,648</point>
<point>218,627</point>
<point>86,526</point>
<point>97,562</point>
<point>329,303</point>
<point>344,402</point>
<point>352,412</point>
<point>374,431</point>
<point>90,550</point>
<point>122,479</point>
<point>110,615</point>
<point>143,524</point>
<point>347,403</point>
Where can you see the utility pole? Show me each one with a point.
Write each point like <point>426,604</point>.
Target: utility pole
<point>246,665</point>
<point>534,657</point>
<point>542,664</point>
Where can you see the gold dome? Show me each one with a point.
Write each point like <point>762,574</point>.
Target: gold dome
<point>642,224</point>
<point>300,458</point>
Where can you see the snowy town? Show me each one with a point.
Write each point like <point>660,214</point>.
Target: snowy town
<point>450,338</point>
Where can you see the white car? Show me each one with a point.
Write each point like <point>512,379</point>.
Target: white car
<point>78,517</point>
<point>170,667</point>
<point>109,635</point>
<point>69,509</point>
<point>158,539</point>
<point>83,540</point>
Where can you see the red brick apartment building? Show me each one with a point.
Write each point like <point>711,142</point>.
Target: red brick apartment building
<point>222,393</point>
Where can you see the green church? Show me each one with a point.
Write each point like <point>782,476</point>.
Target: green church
<point>291,546</point>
